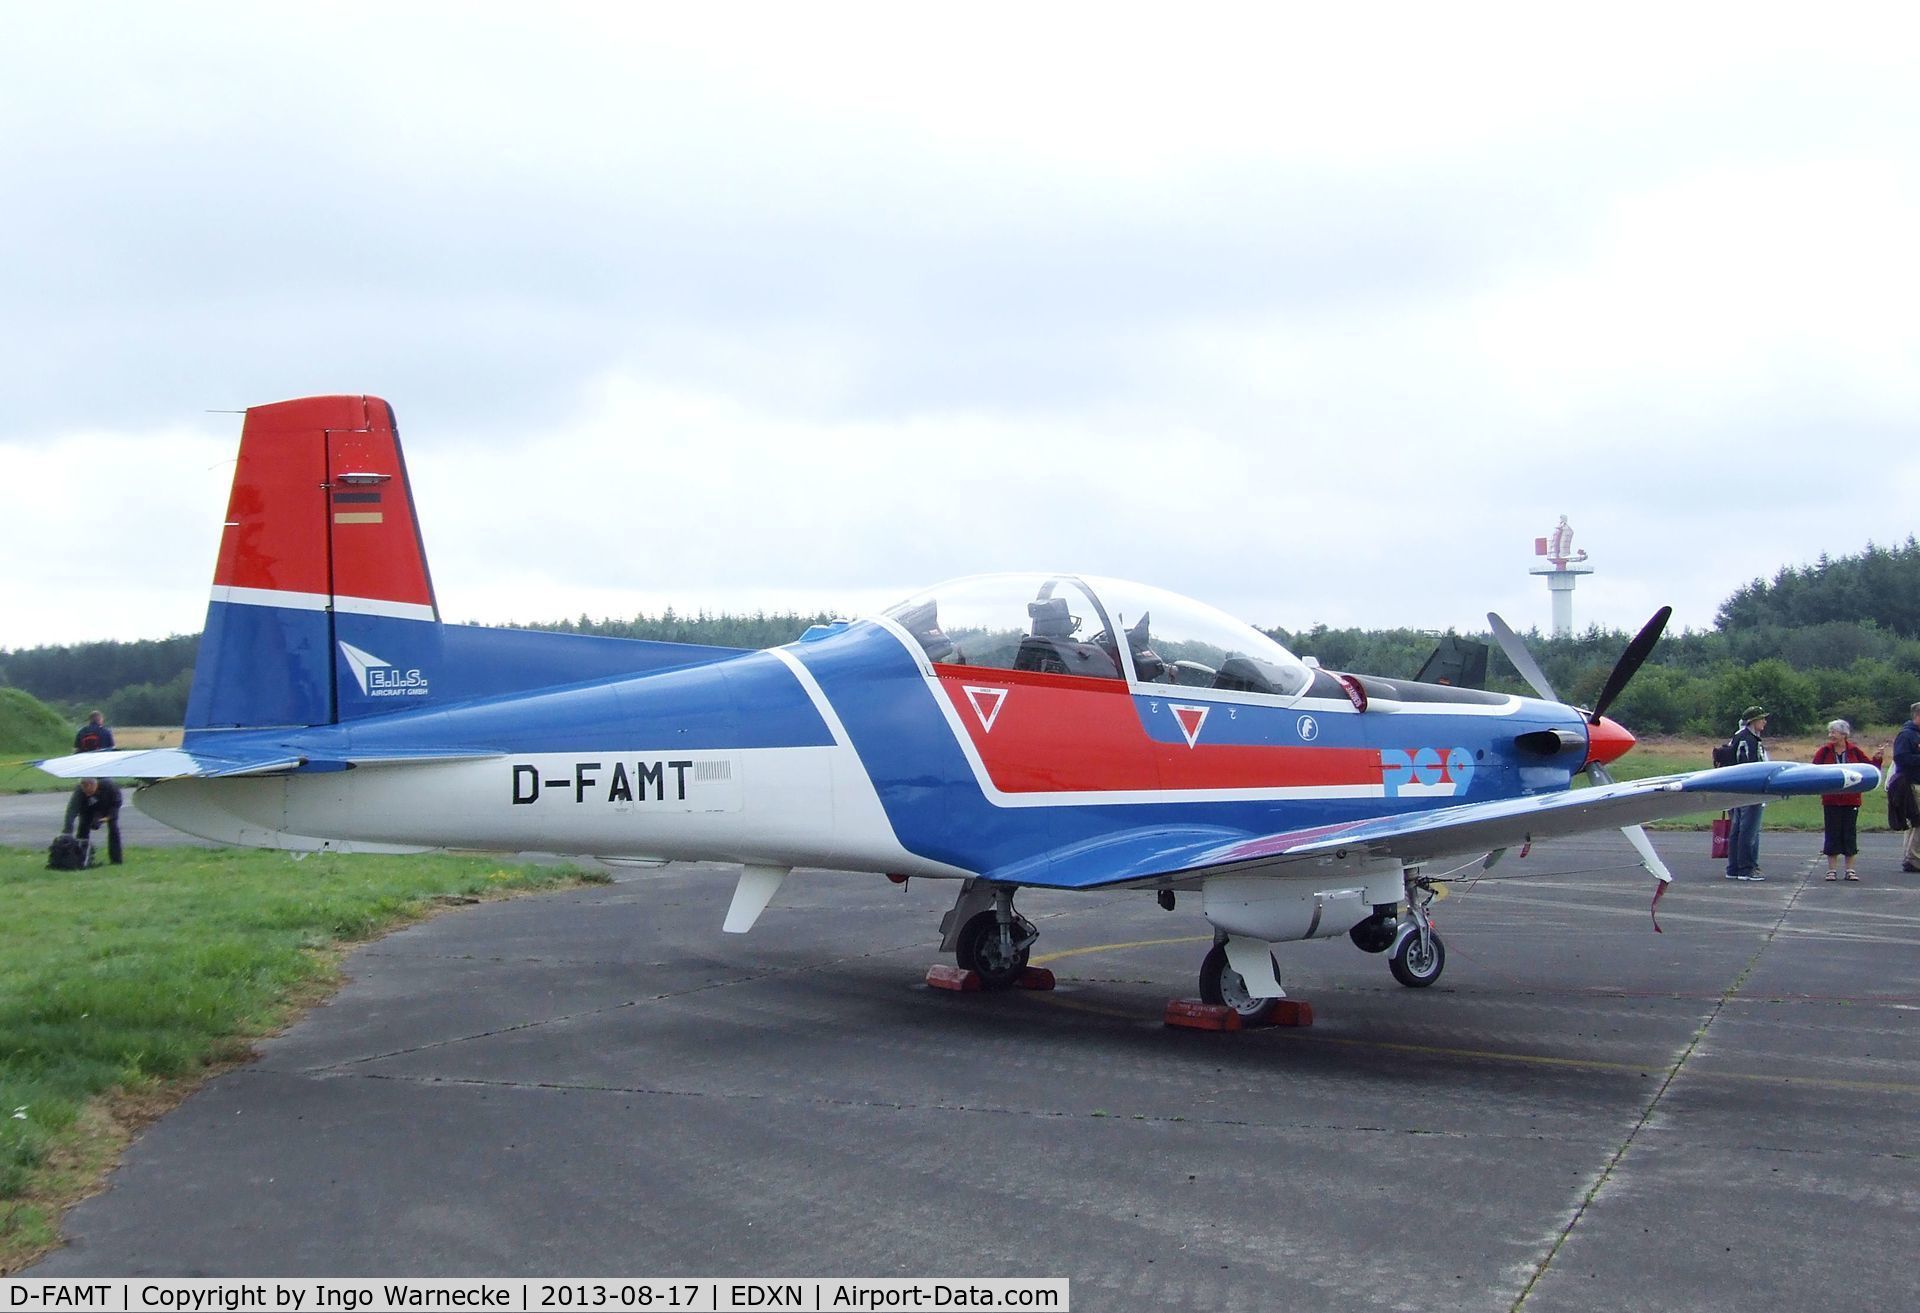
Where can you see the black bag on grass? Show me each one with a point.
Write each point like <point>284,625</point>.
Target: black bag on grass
<point>66,853</point>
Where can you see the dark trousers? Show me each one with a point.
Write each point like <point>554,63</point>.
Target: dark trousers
<point>112,826</point>
<point>1743,840</point>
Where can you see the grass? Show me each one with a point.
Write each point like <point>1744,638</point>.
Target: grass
<point>16,776</point>
<point>125,986</point>
<point>29,727</point>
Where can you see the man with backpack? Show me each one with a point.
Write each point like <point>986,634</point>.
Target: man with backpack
<point>95,803</point>
<point>94,736</point>
<point>1743,835</point>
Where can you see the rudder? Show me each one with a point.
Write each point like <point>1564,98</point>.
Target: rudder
<point>321,566</point>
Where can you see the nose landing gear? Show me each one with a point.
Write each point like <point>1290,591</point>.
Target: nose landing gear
<point>1418,956</point>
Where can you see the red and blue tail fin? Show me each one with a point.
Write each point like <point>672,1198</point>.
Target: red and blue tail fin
<point>323,610</point>
<point>321,564</point>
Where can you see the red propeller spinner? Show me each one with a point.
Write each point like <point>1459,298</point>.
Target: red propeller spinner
<point>1607,741</point>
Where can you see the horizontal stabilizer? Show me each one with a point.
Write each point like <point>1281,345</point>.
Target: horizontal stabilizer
<point>161,764</point>
<point>179,763</point>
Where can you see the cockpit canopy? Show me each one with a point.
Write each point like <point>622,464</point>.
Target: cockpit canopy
<point>1066,625</point>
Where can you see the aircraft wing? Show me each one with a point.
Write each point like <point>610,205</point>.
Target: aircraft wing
<point>1162,856</point>
<point>178,763</point>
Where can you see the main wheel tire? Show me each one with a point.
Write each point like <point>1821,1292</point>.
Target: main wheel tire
<point>978,950</point>
<point>1415,967</point>
<point>1220,983</point>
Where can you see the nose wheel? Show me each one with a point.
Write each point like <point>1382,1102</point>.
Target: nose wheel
<point>1418,957</point>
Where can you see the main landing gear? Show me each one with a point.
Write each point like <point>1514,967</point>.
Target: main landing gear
<point>1221,984</point>
<point>1404,932</point>
<point>994,942</point>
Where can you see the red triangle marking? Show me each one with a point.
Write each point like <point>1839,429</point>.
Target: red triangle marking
<point>1191,719</point>
<point>986,704</point>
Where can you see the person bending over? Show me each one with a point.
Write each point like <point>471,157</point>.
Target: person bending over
<point>95,803</point>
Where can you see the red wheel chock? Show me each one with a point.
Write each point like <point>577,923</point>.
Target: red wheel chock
<point>962,981</point>
<point>959,979</point>
<point>1192,1014</point>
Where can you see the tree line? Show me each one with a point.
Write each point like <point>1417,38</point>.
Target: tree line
<point>755,631</point>
<point>138,683</point>
<point>1839,638</point>
<point>1696,682</point>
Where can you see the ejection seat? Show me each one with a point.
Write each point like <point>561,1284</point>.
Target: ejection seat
<point>1239,675</point>
<point>923,622</point>
<point>1049,646</point>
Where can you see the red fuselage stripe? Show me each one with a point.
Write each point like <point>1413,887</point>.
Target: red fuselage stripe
<point>1063,734</point>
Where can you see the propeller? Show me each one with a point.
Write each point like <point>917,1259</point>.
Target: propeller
<point>1630,662</point>
<point>1516,652</point>
<point>1624,669</point>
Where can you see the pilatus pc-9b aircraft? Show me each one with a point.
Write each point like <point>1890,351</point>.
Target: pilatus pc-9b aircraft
<point>1047,731</point>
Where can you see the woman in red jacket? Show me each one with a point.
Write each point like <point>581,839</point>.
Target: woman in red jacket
<point>1842,810</point>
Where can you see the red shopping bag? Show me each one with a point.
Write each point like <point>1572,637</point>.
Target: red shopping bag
<point>1720,828</point>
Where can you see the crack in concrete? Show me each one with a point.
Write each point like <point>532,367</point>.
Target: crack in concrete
<point>1646,1114</point>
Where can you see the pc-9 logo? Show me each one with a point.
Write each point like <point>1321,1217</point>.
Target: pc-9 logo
<point>1424,772</point>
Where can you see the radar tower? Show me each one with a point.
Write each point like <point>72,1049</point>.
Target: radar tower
<point>1563,570</point>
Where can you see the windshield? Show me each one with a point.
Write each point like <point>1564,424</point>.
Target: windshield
<point>1176,640</point>
<point>1066,624</point>
<point>1037,622</point>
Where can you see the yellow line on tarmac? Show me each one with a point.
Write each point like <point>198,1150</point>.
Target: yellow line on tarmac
<point>1495,1055</point>
<point>1108,948</point>
<point>1533,1059</point>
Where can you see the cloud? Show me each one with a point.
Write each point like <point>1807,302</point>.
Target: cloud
<point>1319,317</point>
<point>116,533</point>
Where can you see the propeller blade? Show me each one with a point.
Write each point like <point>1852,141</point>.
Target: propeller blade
<point>1635,834</point>
<point>1648,857</point>
<point>1630,661</point>
<point>1642,845</point>
<point>1516,652</point>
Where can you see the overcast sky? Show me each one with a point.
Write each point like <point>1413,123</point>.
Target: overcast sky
<point>1318,318</point>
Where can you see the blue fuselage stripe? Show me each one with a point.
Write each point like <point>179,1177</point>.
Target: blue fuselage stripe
<point>938,809</point>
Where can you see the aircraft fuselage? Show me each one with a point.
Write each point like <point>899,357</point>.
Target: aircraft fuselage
<point>857,751</point>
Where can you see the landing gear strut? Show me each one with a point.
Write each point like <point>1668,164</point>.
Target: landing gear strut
<point>994,944</point>
<point>1418,956</point>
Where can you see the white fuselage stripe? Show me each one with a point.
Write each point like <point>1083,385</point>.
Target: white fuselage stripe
<point>293,601</point>
<point>818,695</point>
